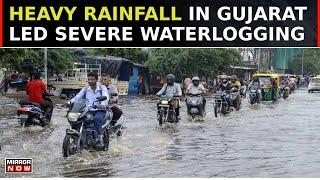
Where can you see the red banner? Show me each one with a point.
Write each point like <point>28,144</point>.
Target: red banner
<point>318,38</point>
<point>1,23</point>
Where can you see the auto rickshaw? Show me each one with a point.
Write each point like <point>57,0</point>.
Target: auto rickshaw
<point>266,86</point>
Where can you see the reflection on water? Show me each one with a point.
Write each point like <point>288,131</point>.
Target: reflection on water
<point>266,140</point>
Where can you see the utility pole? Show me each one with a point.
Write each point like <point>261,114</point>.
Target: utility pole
<point>284,60</point>
<point>302,62</point>
<point>46,66</point>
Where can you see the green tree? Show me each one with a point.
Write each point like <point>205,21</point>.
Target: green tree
<point>310,59</point>
<point>190,62</point>
<point>28,59</point>
<point>136,55</point>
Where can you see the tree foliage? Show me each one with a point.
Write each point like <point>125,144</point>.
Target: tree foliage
<point>28,60</point>
<point>311,63</point>
<point>136,55</point>
<point>190,62</point>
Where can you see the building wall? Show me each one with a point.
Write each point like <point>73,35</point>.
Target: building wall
<point>283,56</point>
<point>133,83</point>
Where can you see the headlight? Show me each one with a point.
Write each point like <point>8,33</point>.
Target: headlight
<point>164,102</point>
<point>73,117</point>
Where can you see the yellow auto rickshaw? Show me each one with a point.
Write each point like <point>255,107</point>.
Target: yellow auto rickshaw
<point>270,84</point>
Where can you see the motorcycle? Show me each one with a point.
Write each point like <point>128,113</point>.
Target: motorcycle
<point>243,91</point>
<point>292,86</point>
<point>195,105</point>
<point>30,113</point>
<point>234,96</point>
<point>284,91</point>
<point>221,105</point>
<point>253,95</point>
<point>82,134</point>
<point>166,110</point>
<point>117,128</point>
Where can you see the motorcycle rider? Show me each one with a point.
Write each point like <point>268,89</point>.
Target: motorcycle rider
<point>226,87</point>
<point>171,89</point>
<point>236,84</point>
<point>244,86</point>
<point>35,91</point>
<point>196,88</point>
<point>89,94</point>
<point>273,89</point>
<point>256,83</point>
<point>285,84</point>
<point>117,112</point>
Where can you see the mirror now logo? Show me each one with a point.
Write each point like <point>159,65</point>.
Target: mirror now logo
<point>18,165</point>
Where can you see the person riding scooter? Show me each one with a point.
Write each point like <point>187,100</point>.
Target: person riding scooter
<point>171,89</point>
<point>255,83</point>
<point>196,88</point>
<point>236,86</point>
<point>35,90</point>
<point>90,94</point>
<point>284,87</point>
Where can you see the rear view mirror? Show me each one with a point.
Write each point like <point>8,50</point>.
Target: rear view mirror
<point>102,98</point>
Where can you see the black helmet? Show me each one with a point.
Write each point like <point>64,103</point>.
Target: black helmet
<point>196,80</point>
<point>170,79</point>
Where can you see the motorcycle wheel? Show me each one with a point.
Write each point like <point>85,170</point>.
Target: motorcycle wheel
<point>215,111</point>
<point>44,122</point>
<point>106,140</point>
<point>69,141</point>
<point>22,123</point>
<point>225,109</point>
<point>252,101</point>
<point>160,118</point>
<point>119,133</point>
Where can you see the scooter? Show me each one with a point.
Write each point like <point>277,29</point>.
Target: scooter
<point>285,91</point>
<point>195,105</point>
<point>234,93</point>
<point>30,113</point>
<point>253,95</point>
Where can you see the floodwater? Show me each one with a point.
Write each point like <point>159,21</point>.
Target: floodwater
<point>279,139</point>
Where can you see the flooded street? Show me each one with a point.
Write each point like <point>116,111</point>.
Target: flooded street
<point>279,139</point>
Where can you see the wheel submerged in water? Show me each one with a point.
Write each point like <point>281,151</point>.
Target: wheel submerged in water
<point>69,146</point>
<point>215,111</point>
<point>160,118</point>
<point>106,140</point>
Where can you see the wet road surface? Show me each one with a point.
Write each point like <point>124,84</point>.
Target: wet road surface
<point>279,139</point>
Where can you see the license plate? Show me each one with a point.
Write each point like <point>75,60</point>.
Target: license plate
<point>23,116</point>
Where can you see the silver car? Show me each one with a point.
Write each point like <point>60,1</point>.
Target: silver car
<point>314,84</point>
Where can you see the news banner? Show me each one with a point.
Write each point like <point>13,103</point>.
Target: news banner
<point>177,23</point>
